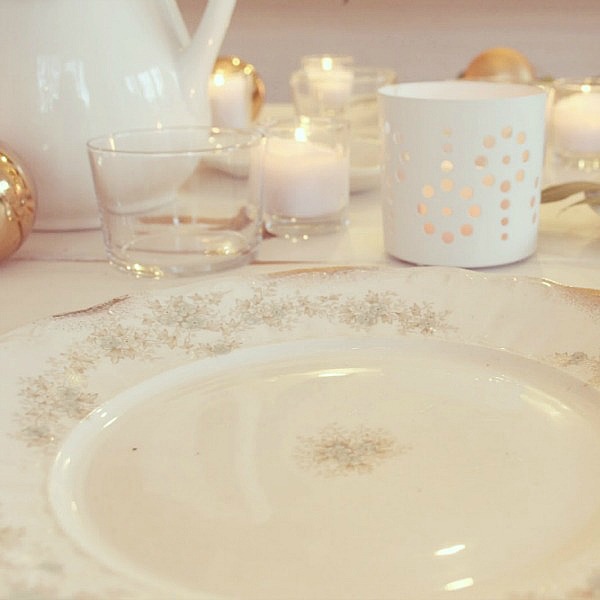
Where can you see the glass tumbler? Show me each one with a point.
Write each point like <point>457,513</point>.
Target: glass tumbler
<point>178,201</point>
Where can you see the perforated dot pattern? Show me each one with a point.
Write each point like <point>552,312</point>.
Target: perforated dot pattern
<point>450,206</point>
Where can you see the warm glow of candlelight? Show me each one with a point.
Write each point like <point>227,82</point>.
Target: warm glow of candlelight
<point>327,63</point>
<point>219,79</point>
<point>300,135</point>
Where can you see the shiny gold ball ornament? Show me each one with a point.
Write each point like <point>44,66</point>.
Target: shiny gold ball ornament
<point>501,64</point>
<point>234,64</point>
<point>17,203</point>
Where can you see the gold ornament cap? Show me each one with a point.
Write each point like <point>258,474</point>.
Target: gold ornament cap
<point>18,203</point>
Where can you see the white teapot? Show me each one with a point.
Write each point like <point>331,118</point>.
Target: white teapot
<point>75,69</point>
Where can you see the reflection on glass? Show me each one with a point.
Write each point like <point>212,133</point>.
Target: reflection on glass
<point>449,550</point>
<point>459,584</point>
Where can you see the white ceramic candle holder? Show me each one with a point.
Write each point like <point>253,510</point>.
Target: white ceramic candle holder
<point>461,174</point>
<point>306,177</point>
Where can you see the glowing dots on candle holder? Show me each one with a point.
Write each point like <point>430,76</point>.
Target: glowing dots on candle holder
<point>466,193</point>
<point>501,149</point>
<point>481,162</point>
<point>474,211</point>
<point>489,141</point>
<point>428,191</point>
<point>488,180</point>
<point>447,185</point>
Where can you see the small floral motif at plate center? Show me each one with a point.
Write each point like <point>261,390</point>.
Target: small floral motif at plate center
<point>337,451</point>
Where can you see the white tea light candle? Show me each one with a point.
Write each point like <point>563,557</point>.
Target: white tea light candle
<point>306,177</point>
<point>576,124</point>
<point>230,100</point>
<point>303,179</point>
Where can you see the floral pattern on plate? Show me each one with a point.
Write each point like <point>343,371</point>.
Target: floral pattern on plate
<point>55,372</point>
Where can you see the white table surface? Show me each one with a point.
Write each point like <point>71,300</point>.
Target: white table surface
<point>56,272</point>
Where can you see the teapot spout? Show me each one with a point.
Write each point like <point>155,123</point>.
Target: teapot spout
<point>200,55</point>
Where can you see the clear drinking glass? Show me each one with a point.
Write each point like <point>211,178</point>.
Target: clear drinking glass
<point>178,201</point>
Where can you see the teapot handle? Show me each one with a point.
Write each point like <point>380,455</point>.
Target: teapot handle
<point>208,37</point>
<point>174,17</point>
<point>196,63</point>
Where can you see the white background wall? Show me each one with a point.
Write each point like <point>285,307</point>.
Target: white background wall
<point>427,39</point>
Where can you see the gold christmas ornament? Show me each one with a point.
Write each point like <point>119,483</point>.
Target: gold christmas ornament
<point>501,64</point>
<point>17,203</point>
<point>234,64</point>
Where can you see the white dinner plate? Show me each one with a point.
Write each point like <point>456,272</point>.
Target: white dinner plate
<point>340,433</point>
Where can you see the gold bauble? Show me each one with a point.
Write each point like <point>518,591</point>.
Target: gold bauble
<point>501,64</point>
<point>17,203</point>
<point>234,64</point>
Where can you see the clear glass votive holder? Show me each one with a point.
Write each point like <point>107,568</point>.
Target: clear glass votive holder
<point>349,93</point>
<point>322,98</point>
<point>178,201</point>
<point>306,177</point>
<point>322,87</point>
<point>574,125</point>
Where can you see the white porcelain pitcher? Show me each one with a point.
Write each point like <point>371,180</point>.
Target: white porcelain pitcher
<point>75,69</point>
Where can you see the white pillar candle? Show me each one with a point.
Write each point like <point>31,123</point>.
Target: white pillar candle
<point>576,124</point>
<point>303,179</point>
<point>230,100</point>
